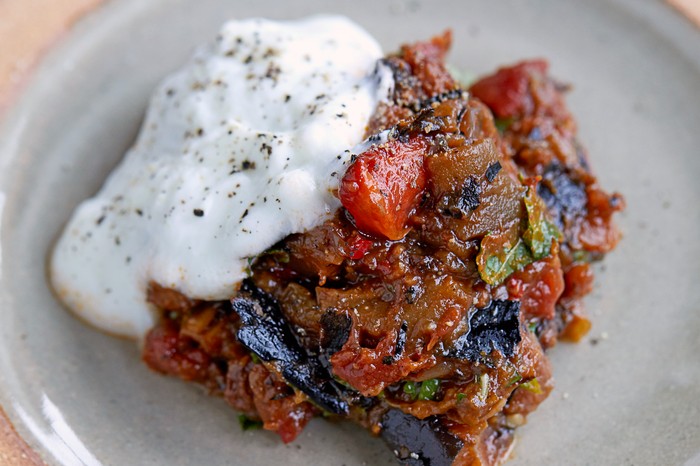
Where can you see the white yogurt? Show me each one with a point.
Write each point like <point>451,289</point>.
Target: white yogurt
<point>239,149</point>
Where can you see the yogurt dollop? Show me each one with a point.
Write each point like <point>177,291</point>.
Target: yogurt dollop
<point>239,149</point>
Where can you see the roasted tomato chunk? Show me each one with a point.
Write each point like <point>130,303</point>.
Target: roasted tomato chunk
<point>507,92</point>
<point>383,186</point>
<point>168,352</point>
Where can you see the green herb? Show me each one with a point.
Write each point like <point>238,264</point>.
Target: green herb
<point>532,327</point>
<point>249,267</point>
<point>514,379</point>
<point>532,386</point>
<point>483,380</point>
<point>248,423</point>
<point>425,390</point>
<point>280,254</point>
<point>496,263</point>
<point>502,124</point>
<point>501,255</point>
<point>428,389</point>
<point>463,77</point>
<point>461,397</point>
<point>581,256</point>
<point>254,357</point>
<point>343,382</point>
<point>411,389</point>
<point>540,231</point>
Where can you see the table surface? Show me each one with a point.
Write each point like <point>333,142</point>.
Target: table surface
<point>28,28</point>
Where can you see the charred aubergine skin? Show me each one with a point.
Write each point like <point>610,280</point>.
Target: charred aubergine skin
<point>422,309</point>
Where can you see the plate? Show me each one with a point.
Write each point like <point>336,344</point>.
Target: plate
<point>628,394</point>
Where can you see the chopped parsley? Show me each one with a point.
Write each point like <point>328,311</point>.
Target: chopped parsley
<point>248,423</point>
<point>532,386</point>
<point>499,256</point>
<point>483,381</point>
<point>515,378</point>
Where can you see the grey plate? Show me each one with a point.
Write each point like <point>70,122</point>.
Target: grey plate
<point>632,398</point>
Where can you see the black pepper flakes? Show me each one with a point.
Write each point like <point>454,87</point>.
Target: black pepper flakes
<point>401,339</point>
<point>469,199</point>
<point>270,52</point>
<point>198,212</point>
<point>273,72</point>
<point>492,171</point>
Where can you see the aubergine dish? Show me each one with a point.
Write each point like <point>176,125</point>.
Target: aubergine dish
<point>308,227</point>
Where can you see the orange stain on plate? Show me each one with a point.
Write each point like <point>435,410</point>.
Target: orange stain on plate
<point>690,8</point>
<point>27,29</point>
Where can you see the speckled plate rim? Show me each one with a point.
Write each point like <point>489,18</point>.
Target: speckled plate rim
<point>107,19</point>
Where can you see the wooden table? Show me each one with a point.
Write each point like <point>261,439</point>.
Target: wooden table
<point>28,28</point>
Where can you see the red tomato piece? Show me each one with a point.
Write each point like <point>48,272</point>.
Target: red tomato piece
<point>280,412</point>
<point>427,60</point>
<point>538,287</point>
<point>166,351</point>
<point>507,92</point>
<point>358,247</point>
<point>383,186</point>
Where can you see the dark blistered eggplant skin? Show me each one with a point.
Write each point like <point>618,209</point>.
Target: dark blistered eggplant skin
<point>335,330</point>
<point>494,327</point>
<point>265,332</point>
<point>419,442</point>
<point>564,197</point>
<point>313,379</point>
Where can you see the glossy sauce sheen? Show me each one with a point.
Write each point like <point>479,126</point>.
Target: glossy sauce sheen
<point>239,149</point>
<point>423,308</point>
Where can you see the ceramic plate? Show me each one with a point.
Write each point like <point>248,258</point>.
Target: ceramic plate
<point>628,394</point>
